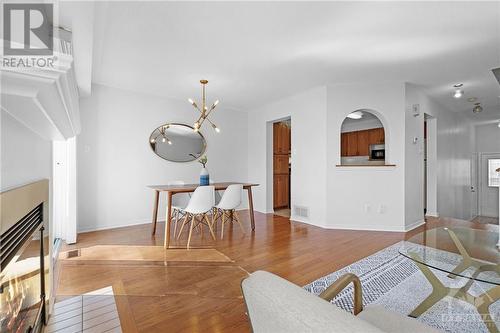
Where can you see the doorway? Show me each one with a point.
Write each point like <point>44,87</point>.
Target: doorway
<point>489,182</point>
<point>282,167</point>
<point>430,166</point>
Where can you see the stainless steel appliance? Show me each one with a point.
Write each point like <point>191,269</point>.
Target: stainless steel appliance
<point>377,152</point>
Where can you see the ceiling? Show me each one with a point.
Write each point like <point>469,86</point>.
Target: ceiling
<point>256,52</point>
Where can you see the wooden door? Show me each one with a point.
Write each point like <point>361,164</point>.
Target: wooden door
<point>363,143</point>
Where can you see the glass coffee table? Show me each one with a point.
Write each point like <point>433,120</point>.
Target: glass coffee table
<point>460,253</point>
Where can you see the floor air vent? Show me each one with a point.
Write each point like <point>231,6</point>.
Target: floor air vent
<point>301,211</point>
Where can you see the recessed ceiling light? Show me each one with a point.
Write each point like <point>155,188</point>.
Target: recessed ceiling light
<point>477,108</point>
<point>472,99</point>
<point>458,85</point>
<point>355,115</point>
<point>458,93</point>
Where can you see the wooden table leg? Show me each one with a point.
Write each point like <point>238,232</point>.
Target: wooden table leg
<point>250,207</point>
<point>155,212</point>
<point>168,220</point>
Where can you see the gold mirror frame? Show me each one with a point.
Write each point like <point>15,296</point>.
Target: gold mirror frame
<point>178,125</point>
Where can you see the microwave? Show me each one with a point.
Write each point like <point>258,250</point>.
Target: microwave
<point>377,152</point>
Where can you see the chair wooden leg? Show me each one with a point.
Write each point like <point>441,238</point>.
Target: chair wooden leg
<point>176,222</point>
<point>210,226</point>
<point>183,224</point>
<point>237,218</point>
<point>190,232</point>
<point>222,225</point>
<point>214,219</point>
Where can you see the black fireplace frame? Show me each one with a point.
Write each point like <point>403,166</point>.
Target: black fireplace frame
<point>12,241</point>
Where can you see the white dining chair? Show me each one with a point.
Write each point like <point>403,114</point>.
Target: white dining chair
<point>179,202</point>
<point>217,193</point>
<point>226,208</point>
<point>202,201</point>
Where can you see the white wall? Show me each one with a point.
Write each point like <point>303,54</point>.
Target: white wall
<point>487,138</point>
<point>454,142</point>
<point>375,197</point>
<point>25,156</point>
<point>366,197</point>
<point>116,163</point>
<point>308,188</point>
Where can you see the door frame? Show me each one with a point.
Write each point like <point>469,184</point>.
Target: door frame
<point>480,179</point>
<point>270,162</point>
<point>474,184</point>
<point>431,167</point>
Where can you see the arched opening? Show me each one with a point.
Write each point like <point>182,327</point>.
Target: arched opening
<point>362,139</point>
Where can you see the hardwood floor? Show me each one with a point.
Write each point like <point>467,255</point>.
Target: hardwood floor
<point>158,297</point>
<point>485,219</point>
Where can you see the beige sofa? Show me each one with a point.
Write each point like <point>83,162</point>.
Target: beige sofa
<point>277,305</point>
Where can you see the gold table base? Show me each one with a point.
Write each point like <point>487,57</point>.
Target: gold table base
<point>439,291</point>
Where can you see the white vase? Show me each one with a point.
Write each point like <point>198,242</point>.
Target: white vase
<point>204,177</point>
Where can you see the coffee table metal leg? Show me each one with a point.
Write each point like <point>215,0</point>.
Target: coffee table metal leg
<point>439,291</point>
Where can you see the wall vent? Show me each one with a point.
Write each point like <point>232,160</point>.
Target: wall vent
<point>301,211</point>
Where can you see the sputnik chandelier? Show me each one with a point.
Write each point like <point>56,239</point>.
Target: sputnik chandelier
<point>204,111</point>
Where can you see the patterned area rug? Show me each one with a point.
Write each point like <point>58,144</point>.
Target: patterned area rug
<point>395,282</point>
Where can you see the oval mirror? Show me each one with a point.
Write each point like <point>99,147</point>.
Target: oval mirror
<point>177,143</point>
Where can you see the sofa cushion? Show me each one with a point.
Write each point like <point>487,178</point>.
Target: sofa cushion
<point>277,305</point>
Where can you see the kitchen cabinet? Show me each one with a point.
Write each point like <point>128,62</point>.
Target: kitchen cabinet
<point>281,167</point>
<point>357,143</point>
<point>281,190</point>
<point>281,164</point>
<point>281,138</point>
<point>352,143</point>
<point>377,136</point>
<point>363,143</point>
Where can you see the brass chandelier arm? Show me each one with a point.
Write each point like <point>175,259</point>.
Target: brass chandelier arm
<point>204,111</point>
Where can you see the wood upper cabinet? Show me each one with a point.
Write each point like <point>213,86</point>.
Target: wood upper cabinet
<point>352,143</point>
<point>363,143</point>
<point>343,144</point>
<point>281,138</point>
<point>358,143</point>
<point>377,136</point>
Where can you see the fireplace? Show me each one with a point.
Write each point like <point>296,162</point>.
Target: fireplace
<point>24,269</point>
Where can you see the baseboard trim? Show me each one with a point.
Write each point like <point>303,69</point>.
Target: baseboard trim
<point>107,227</point>
<point>414,225</point>
<point>366,228</point>
<point>138,222</point>
<point>432,214</point>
